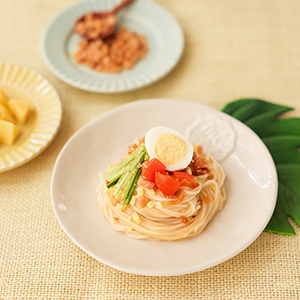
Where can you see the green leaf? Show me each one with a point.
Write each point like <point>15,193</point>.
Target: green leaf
<point>267,125</point>
<point>282,138</point>
<point>246,109</point>
<point>284,149</point>
<point>288,200</point>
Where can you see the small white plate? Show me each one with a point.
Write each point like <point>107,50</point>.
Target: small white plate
<point>251,187</point>
<point>43,122</point>
<point>165,42</point>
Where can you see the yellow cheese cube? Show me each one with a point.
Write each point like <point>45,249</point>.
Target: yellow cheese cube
<point>150,204</point>
<point>151,192</point>
<point>136,218</point>
<point>5,114</point>
<point>121,207</point>
<point>8,132</point>
<point>160,204</point>
<point>20,108</point>
<point>3,98</point>
<point>140,191</point>
<point>133,199</point>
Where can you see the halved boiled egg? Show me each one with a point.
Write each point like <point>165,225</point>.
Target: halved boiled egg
<point>171,147</point>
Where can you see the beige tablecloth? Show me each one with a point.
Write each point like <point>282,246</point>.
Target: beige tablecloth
<point>234,49</point>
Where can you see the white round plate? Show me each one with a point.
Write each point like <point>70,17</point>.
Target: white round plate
<point>165,42</point>
<point>43,122</point>
<point>251,186</point>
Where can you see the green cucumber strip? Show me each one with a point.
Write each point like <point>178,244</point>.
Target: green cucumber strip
<point>128,167</point>
<point>147,157</point>
<point>118,170</point>
<point>112,183</point>
<point>126,179</point>
<point>131,166</point>
<point>122,185</point>
<point>132,186</point>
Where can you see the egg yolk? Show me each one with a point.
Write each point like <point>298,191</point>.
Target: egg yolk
<point>170,149</point>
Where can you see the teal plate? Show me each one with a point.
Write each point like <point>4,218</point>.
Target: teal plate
<point>164,37</point>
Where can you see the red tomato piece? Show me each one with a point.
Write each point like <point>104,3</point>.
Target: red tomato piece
<point>182,175</point>
<point>166,183</point>
<point>151,167</point>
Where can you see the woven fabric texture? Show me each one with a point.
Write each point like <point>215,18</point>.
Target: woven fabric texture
<point>233,49</point>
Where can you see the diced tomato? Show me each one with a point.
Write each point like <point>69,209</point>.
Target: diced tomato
<point>166,183</point>
<point>182,175</point>
<point>151,167</point>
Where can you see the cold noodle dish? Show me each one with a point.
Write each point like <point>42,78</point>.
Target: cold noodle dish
<point>163,188</point>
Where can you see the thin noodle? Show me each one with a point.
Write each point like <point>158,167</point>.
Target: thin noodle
<point>163,221</point>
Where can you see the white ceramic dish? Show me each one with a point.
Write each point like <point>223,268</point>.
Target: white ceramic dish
<point>251,187</point>
<point>43,122</point>
<point>165,41</point>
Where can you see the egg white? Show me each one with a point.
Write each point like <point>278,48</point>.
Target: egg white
<point>155,133</point>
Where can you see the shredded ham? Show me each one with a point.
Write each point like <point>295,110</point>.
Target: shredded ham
<point>207,199</point>
<point>141,201</point>
<point>133,146</point>
<point>175,198</point>
<point>147,184</point>
<point>184,220</point>
<point>199,164</point>
<point>191,184</point>
<point>199,150</point>
<point>114,202</point>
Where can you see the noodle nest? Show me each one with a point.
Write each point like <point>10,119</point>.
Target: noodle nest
<point>168,218</point>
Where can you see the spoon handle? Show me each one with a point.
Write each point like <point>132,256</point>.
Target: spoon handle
<point>120,6</point>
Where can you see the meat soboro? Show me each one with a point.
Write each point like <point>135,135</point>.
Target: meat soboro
<point>119,51</point>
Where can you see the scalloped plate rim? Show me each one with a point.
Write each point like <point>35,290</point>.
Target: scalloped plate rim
<point>55,128</point>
